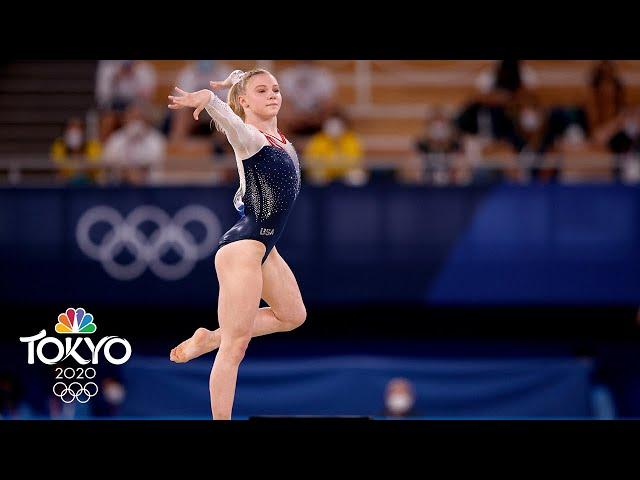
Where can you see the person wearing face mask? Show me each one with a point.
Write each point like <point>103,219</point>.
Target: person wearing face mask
<point>335,153</point>
<point>440,138</point>
<point>531,127</point>
<point>400,399</point>
<point>135,153</point>
<point>72,149</point>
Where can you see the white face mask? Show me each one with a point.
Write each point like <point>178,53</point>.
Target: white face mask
<point>334,127</point>
<point>574,135</point>
<point>399,403</point>
<point>136,128</point>
<point>114,393</point>
<point>439,130</point>
<point>530,120</point>
<point>74,138</point>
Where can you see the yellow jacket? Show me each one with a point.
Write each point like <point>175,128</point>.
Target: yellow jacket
<point>60,156</point>
<point>329,158</point>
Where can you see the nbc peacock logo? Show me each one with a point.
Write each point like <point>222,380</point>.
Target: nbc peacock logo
<point>78,323</point>
<point>75,321</point>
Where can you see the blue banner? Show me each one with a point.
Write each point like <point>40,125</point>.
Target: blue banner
<point>541,245</point>
<point>355,385</point>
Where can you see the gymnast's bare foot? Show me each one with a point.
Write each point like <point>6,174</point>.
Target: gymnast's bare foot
<point>203,341</point>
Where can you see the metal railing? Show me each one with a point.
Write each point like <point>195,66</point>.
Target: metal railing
<point>454,168</point>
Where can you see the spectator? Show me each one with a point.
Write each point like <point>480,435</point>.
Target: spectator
<point>623,139</point>
<point>572,146</point>
<point>195,76</point>
<point>574,138</point>
<point>400,399</point>
<point>567,125</point>
<point>439,139</point>
<point>531,123</point>
<point>491,118</point>
<point>335,153</point>
<point>487,130</point>
<point>310,91</point>
<point>119,83</point>
<point>122,82</point>
<point>607,96</point>
<point>531,126</point>
<point>137,150</point>
<point>72,150</point>
<point>439,136</point>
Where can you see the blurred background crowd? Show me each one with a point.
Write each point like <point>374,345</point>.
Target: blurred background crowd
<point>422,122</point>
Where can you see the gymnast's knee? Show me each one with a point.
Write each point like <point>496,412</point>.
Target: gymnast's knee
<point>295,317</point>
<point>235,347</point>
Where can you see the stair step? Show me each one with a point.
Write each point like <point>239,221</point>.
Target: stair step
<point>38,97</point>
<point>30,146</point>
<point>41,132</point>
<point>38,116</point>
<point>50,69</point>
<point>46,100</point>
<point>44,84</point>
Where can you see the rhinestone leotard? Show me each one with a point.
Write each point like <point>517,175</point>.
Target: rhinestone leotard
<point>269,175</point>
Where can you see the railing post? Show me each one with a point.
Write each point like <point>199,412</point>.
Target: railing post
<point>14,173</point>
<point>363,82</point>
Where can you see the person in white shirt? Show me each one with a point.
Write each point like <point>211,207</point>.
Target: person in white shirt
<point>136,152</point>
<point>310,91</point>
<point>122,82</point>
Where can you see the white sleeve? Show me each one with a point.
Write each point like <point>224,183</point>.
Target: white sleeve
<point>113,151</point>
<point>245,140</point>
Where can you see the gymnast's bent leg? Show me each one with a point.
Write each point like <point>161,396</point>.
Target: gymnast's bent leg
<point>285,312</point>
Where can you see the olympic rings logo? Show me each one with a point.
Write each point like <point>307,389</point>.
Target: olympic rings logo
<point>147,251</point>
<point>81,393</point>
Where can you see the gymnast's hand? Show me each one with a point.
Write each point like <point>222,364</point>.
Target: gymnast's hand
<point>197,100</point>
<point>228,82</point>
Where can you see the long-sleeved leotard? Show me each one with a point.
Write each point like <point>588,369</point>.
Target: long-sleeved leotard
<point>269,178</point>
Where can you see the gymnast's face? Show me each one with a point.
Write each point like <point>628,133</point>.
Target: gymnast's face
<point>262,96</point>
